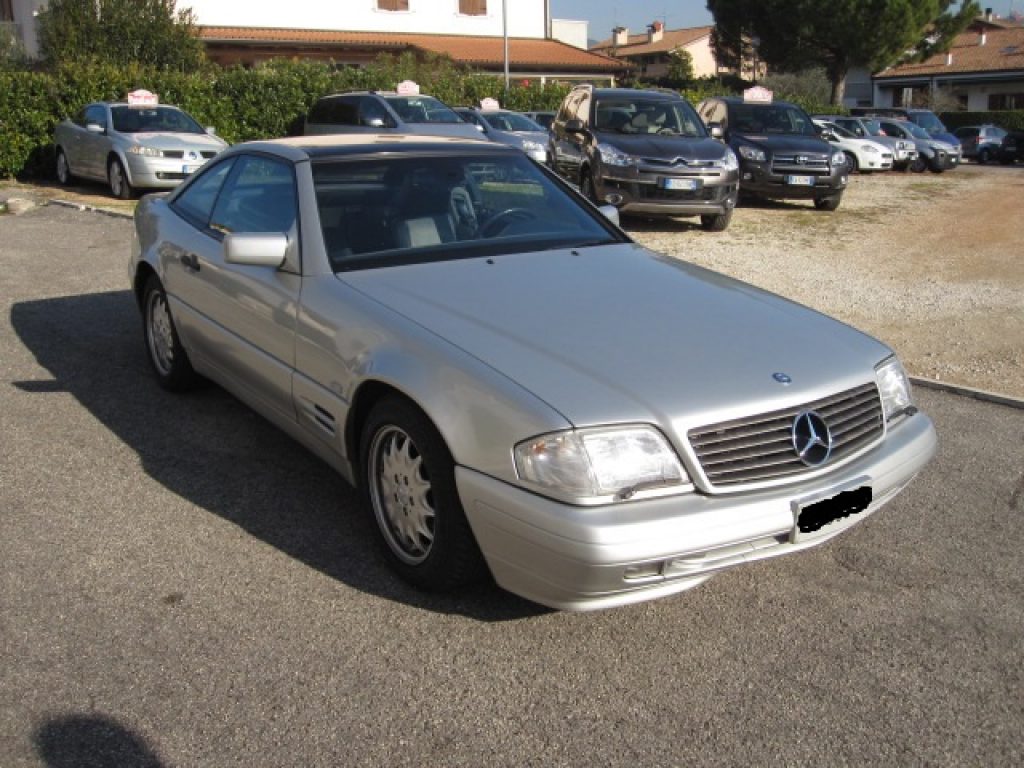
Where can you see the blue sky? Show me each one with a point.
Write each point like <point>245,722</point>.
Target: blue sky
<point>635,14</point>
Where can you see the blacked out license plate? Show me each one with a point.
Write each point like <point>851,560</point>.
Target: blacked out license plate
<point>812,519</point>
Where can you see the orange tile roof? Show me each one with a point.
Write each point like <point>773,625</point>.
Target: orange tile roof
<point>637,45</point>
<point>479,51</point>
<point>1003,51</point>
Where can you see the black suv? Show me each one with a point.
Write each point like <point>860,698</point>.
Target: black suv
<point>781,154</point>
<point>645,152</point>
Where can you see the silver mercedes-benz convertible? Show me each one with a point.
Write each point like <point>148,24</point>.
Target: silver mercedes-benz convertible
<point>516,387</point>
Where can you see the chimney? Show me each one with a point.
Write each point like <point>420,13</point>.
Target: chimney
<point>949,59</point>
<point>982,38</point>
<point>620,36</point>
<point>655,31</point>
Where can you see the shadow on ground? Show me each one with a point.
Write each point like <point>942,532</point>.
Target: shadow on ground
<point>212,450</point>
<point>90,741</point>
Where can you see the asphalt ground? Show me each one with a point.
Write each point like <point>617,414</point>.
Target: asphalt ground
<point>182,585</point>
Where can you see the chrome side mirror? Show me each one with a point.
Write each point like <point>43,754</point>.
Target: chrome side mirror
<point>611,213</point>
<point>255,249</point>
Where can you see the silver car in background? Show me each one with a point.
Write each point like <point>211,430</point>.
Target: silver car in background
<point>516,387</point>
<point>512,128</point>
<point>904,151</point>
<point>132,147</point>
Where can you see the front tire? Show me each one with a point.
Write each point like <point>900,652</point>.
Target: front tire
<point>852,164</point>
<point>587,187</point>
<point>713,222</point>
<point>120,187</point>
<point>919,165</point>
<point>166,355</point>
<point>984,157</point>
<point>827,203</point>
<point>408,480</point>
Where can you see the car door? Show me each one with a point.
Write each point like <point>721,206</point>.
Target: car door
<point>94,147</point>
<point>238,319</point>
<point>564,146</point>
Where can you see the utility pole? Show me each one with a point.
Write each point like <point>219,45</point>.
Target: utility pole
<point>504,29</point>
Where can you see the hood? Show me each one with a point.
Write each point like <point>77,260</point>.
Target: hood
<point>614,334</point>
<point>783,143</point>
<point>664,147</point>
<point>182,141</point>
<point>518,138</point>
<point>946,138</point>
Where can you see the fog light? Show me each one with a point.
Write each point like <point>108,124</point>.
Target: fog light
<point>613,198</point>
<point>748,176</point>
<point>642,571</point>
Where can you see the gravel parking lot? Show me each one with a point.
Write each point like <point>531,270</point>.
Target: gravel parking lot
<point>931,264</point>
<point>182,585</point>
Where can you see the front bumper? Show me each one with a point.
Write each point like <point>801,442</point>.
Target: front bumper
<point>645,190</point>
<point>585,558</point>
<point>159,172</point>
<point>760,178</point>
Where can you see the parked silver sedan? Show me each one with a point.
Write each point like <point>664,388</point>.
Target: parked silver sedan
<point>132,147</point>
<point>512,128</point>
<point>516,387</point>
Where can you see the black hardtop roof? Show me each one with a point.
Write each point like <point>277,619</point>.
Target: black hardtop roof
<point>739,100</point>
<point>638,93</point>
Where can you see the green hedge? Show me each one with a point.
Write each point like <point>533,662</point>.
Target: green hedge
<point>242,104</point>
<point>1010,119</point>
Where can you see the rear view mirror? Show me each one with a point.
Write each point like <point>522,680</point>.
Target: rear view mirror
<point>373,122</point>
<point>255,250</point>
<point>95,128</point>
<point>574,126</point>
<point>611,213</point>
<point>211,130</point>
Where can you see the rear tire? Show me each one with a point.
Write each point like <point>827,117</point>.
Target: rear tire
<point>166,355</point>
<point>716,222</point>
<point>64,176</point>
<point>408,482</point>
<point>984,157</point>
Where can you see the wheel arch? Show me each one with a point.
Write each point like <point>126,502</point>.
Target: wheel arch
<point>143,271</point>
<point>115,154</point>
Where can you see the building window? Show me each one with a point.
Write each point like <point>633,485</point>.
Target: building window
<point>392,5</point>
<point>473,7</point>
<point>1001,101</point>
<point>6,11</point>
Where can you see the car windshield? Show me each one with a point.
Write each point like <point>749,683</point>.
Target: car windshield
<point>873,127</point>
<point>915,130</point>
<point>770,118</point>
<point>510,121</point>
<point>668,117</point>
<point>403,209</point>
<point>839,131</point>
<point>153,120</point>
<point>928,122</point>
<point>422,109</point>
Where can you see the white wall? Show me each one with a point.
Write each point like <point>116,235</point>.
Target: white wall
<point>526,18</point>
<point>569,31</point>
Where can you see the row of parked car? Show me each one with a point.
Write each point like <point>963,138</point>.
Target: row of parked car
<point>645,152</point>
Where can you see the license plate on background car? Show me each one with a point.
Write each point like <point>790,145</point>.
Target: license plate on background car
<point>187,169</point>
<point>811,518</point>
<point>800,181</point>
<point>688,185</point>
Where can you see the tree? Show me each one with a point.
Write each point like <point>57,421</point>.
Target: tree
<point>791,35</point>
<point>680,67</point>
<point>148,32</point>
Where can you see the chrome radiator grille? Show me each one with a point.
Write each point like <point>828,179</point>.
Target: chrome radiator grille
<point>800,163</point>
<point>759,449</point>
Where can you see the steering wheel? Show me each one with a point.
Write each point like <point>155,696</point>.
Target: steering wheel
<point>497,223</point>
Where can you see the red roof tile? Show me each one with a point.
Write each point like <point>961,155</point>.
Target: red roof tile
<point>479,51</point>
<point>637,45</point>
<point>1003,51</point>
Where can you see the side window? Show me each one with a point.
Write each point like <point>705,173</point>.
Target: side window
<point>334,111</point>
<point>197,200</point>
<point>473,7</point>
<point>372,114</point>
<point>96,114</point>
<point>392,5</point>
<point>258,197</point>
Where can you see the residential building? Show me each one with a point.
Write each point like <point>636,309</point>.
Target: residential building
<point>650,53</point>
<point>355,32</point>
<point>983,70</point>
<point>17,20</point>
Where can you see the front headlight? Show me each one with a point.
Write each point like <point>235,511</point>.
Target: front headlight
<point>138,149</point>
<point>529,145</point>
<point>870,148</point>
<point>730,162</point>
<point>601,464</point>
<point>614,155</point>
<point>894,387</point>
<point>838,158</point>
<point>752,153</point>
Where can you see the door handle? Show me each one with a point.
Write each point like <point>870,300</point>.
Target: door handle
<point>190,261</point>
